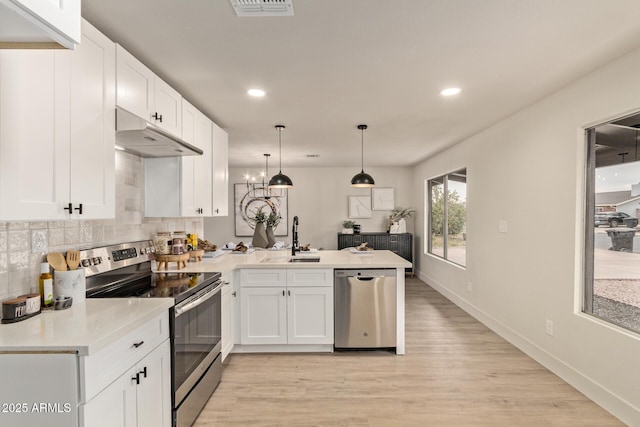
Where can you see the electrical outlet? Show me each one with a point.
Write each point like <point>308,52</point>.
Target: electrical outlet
<point>38,241</point>
<point>502,227</point>
<point>549,327</point>
<point>469,287</point>
<point>171,227</point>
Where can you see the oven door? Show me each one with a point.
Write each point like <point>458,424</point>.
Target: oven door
<point>196,338</point>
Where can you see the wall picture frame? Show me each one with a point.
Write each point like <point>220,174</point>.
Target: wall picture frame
<point>359,207</point>
<point>382,199</point>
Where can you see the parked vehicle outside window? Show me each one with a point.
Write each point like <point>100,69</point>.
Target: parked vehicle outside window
<point>610,219</point>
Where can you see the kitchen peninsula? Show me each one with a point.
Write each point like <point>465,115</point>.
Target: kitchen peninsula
<point>239,268</point>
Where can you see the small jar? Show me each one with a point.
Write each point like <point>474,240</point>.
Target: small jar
<point>179,243</point>
<point>163,243</point>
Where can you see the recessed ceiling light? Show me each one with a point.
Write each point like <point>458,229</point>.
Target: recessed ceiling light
<point>451,91</point>
<point>311,156</point>
<point>256,92</point>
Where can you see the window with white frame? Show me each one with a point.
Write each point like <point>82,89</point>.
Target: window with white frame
<point>612,243</point>
<point>446,232</point>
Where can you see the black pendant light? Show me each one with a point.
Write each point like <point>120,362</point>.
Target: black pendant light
<point>280,180</point>
<point>362,179</point>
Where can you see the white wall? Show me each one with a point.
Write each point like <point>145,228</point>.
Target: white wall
<point>528,170</point>
<point>319,199</point>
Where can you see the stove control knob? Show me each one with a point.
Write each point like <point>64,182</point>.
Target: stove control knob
<point>85,262</point>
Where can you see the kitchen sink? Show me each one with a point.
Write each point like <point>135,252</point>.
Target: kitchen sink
<point>305,259</point>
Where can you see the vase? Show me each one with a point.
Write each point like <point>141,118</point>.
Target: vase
<point>271,238</point>
<point>259,236</point>
<point>402,225</point>
<point>394,228</point>
<point>347,231</point>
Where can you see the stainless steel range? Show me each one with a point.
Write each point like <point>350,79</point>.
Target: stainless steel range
<point>124,271</point>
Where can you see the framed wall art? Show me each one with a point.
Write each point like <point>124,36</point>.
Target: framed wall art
<point>248,199</point>
<point>382,199</point>
<point>359,206</point>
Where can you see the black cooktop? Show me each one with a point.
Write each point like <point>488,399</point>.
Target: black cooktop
<point>128,282</point>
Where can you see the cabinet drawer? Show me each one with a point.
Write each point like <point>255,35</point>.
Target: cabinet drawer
<point>257,277</point>
<point>310,277</point>
<point>104,367</point>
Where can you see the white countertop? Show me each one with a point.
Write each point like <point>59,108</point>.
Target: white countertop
<point>228,261</point>
<point>84,328</point>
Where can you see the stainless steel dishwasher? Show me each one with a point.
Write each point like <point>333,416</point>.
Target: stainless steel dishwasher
<point>365,308</point>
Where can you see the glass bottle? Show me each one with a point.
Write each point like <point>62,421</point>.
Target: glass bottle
<point>45,285</point>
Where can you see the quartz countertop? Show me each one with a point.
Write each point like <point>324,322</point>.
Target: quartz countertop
<point>84,328</point>
<point>229,261</point>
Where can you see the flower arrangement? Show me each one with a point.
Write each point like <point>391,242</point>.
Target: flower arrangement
<point>260,216</point>
<point>273,220</point>
<point>401,213</point>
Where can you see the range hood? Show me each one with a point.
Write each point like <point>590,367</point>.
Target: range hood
<point>138,136</point>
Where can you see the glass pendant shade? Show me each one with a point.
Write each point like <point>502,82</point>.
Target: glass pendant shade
<point>362,179</point>
<point>280,180</point>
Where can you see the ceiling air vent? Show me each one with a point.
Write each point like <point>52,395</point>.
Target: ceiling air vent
<point>262,7</point>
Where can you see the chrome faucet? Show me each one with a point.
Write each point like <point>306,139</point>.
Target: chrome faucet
<point>295,246</point>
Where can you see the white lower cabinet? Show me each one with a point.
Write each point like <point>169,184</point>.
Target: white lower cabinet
<point>229,297</point>
<point>286,306</point>
<point>139,397</point>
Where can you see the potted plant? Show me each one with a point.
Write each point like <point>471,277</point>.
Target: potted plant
<point>397,222</point>
<point>272,222</point>
<point>259,232</point>
<point>347,227</point>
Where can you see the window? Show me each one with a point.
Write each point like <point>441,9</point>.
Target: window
<point>612,248</point>
<point>447,207</point>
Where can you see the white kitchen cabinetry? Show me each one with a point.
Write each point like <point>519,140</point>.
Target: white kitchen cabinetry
<point>220,172</point>
<point>128,383</point>
<point>144,94</point>
<point>229,297</point>
<point>139,397</point>
<point>57,131</point>
<point>293,306</point>
<point>39,24</point>
<point>182,186</point>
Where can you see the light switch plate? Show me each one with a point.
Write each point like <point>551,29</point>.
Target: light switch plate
<point>502,227</point>
<point>38,241</point>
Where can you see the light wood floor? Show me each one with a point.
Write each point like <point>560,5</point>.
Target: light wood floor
<point>456,373</point>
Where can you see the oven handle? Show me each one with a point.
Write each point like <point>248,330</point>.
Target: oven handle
<point>196,300</point>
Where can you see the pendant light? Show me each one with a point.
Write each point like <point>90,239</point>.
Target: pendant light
<point>280,180</point>
<point>362,179</point>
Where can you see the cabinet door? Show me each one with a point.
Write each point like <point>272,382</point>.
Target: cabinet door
<point>310,315</point>
<point>115,406</point>
<point>188,179</point>
<point>92,161</point>
<point>264,315</point>
<point>228,297</point>
<point>135,85</point>
<point>154,391</point>
<point>168,107</point>
<point>34,134</point>
<point>220,172</point>
<point>202,166</point>
<point>196,170</point>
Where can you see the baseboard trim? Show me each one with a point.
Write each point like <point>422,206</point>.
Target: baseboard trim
<point>608,400</point>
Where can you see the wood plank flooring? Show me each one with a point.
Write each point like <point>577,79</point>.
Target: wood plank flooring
<point>456,373</point>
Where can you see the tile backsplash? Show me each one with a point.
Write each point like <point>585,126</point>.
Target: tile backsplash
<point>20,241</point>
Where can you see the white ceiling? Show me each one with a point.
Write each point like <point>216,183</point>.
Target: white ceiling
<point>338,63</point>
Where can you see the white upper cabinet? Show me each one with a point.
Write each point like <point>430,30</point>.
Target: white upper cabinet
<point>57,132</point>
<point>39,24</point>
<point>220,172</point>
<point>144,94</point>
<point>93,100</point>
<point>182,186</point>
